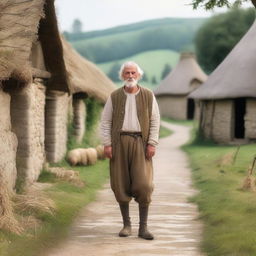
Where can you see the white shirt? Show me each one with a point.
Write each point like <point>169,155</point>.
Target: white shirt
<point>131,122</point>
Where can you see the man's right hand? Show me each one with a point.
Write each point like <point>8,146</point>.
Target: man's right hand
<point>108,151</point>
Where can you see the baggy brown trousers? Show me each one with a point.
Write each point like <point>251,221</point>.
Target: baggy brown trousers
<point>131,173</point>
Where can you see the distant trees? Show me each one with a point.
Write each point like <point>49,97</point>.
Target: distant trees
<point>216,38</point>
<point>210,4</point>
<point>154,81</point>
<point>145,77</point>
<point>113,72</point>
<point>77,26</point>
<point>167,69</point>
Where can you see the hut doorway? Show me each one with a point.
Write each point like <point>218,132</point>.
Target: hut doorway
<point>239,108</point>
<point>190,109</point>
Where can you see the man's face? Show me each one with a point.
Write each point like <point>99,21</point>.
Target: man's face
<point>131,73</point>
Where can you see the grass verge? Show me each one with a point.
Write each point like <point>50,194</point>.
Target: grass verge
<point>69,200</point>
<point>227,211</point>
<point>181,122</point>
<point>164,132</point>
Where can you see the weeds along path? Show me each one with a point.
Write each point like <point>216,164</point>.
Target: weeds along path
<point>172,219</point>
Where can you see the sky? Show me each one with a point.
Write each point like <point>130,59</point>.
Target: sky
<point>102,14</point>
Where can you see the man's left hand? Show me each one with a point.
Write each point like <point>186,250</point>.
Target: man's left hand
<point>150,152</point>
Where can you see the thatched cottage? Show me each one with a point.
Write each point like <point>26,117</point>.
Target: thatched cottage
<point>228,97</point>
<point>24,81</point>
<point>19,131</point>
<point>172,93</point>
<point>86,80</point>
<point>35,89</point>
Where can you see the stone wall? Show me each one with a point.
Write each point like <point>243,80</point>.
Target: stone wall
<point>79,118</point>
<point>27,117</point>
<point>8,143</point>
<point>197,110</point>
<point>250,119</point>
<point>217,120</point>
<point>56,119</point>
<point>174,107</point>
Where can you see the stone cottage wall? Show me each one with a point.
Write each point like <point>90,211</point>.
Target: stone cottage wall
<point>79,118</point>
<point>250,119</point>
<point>207,117</point>
<point>197,110</point>
<point>56,119</point>
<point>8,143</point>
<point>223,121</point>
<point>174,107</point>
<point>217,121</point>
<point>27,117</point>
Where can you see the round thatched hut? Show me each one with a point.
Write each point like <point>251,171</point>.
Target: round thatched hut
<point>172,92</point>
<point>86,80</point>
<point>228,97</point>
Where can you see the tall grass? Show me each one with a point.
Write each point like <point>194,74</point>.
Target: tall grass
<point>227,211</point>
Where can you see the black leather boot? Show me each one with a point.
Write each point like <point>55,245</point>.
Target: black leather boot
<point>127,229</point>
<point>143,230</point>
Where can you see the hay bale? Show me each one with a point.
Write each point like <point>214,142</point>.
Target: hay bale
<point>83,156</point>
<point>100,152</point>
<point>74,157</point>
<point>91,156</point>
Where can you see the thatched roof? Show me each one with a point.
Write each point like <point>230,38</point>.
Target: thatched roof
<point>52,49</point>
<point>18,28</point>
<point>84,76</point>
<point>19,22</point>
<point>236,75</point>
<point>179,80</point>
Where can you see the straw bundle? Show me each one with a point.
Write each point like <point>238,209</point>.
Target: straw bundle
<point>226,159</point>
<point>33,201</point>
<point>91,156</point>
<point>100,152</point>
<point>249,182</point>
<point>7,219</point>
<point>67,175</point>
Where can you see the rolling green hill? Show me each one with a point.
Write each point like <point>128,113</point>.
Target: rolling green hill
<point>133,27</point>
<point>152,63</point>
<point>121,42</point>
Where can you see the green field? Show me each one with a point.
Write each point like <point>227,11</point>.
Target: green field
<point>152,62</point>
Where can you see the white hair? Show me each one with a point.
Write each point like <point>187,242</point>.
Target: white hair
<point>130,64</point>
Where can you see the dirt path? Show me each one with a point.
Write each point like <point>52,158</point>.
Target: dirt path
<point>171,219</point>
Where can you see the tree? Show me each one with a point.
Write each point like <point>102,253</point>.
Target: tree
<point>145,77</point>
<point>220,34</point>
<point>113,72</point>
<point>77,26</point>
<point>153,81</point>
<point>210,4</point>
<point>167,69</point>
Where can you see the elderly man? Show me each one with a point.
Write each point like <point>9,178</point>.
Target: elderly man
<point>129,130</point>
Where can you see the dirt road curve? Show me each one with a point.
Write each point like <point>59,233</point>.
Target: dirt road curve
<point>172,219</point>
